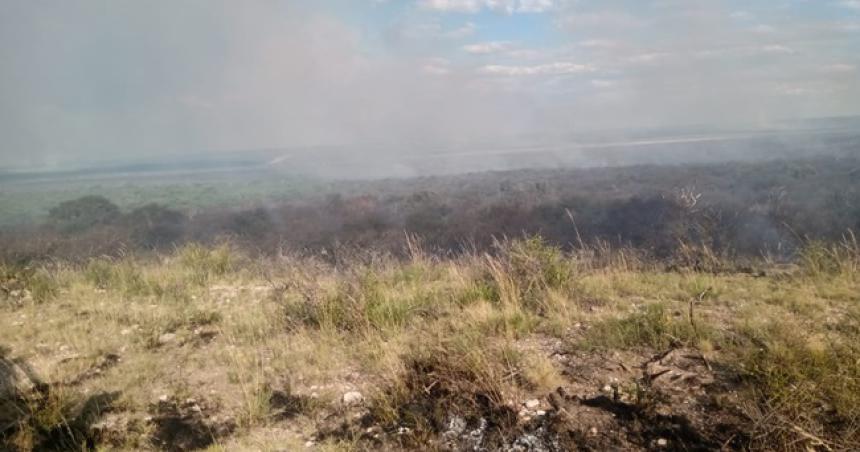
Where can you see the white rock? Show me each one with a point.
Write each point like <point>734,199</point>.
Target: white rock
<point>352,398</point>
<point>309,444</point>
<point>532,404</point>
<point>540,413</point>
<point>166,337</point>
<point>662,442</point>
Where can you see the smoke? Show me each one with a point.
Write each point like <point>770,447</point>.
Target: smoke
<point>97,79</point>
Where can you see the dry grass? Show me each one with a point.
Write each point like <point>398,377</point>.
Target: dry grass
<point>421,339</point>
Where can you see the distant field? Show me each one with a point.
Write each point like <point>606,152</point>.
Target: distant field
<point>29,201</point>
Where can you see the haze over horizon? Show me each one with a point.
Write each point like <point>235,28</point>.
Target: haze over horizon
<point>97,80</point>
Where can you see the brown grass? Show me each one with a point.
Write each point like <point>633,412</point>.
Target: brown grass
<point>424,339</point>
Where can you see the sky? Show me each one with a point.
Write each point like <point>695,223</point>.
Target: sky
<point>90,80</point>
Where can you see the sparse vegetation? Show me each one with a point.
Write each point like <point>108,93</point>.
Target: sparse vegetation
<point>710,216</point>
<point>528,343</point>
<point>537,319</point>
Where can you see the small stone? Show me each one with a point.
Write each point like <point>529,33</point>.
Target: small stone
<point>662,442</point>
<point>164,398</point>
<point>532,404</point>
<point>352,398</point>
<point>309,444</point>
<point>165,338</point>
<point>607,388</point>
<point>540,413</point>
<point>125,331</point>
<point>593,431</point>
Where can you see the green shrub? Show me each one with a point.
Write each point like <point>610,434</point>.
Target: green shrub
<point>820,259</point>
<point>18,282</point>
<point>83,213</point>
<point>43,286</point>
<point>653,327</point>
<point>523,273</point>
<point>120,276</point>
<point>805,383</point>
<point>205,263</point>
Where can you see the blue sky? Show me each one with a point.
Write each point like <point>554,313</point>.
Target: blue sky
<point>91,79</point>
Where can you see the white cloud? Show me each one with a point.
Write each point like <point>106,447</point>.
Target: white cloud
<point>647,58</point>
<point>763,29</point>
<point>777,49</point>
<point>788,89</point>
<point>598,83</point>
<point>535,6</point>
<point>557,68</point>
<point>486,48</point>
<point>434,30</point>
<point>502,6</point>
<point>601,20</point>
<point>850,4</point>
<point>838,68</point>
<point>849,27</point>
<point>435,70</point>
<point>598,44</point>
<point>468,29</point>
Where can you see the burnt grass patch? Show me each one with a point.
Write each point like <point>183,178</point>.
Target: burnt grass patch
<point>35,415</point>
<point>189,425</point>
<point>441,404</point>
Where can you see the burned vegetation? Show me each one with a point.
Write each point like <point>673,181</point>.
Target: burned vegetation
<point>654,308</point>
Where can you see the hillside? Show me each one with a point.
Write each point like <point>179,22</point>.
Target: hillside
<point>524,348</point>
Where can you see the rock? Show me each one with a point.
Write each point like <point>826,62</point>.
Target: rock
<point>532,404</point>
<point>456,426</point>
<point>662,442</point>
<point>166,338</point>
<point>593,431</point>
<point>309,444</point>
<point>540,413</point>
<point>352,398</point>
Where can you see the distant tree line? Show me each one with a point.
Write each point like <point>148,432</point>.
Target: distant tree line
<point>733,209</point>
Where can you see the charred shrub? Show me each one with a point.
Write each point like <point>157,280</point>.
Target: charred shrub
<point>654,223</point>
<point>35,415</point>
<point>155,226</point>
<point>458,379</point>
<point>83,213</point>
<point>250,224</point>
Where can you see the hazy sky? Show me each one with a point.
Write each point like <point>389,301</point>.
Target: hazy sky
<point>85,80</point>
